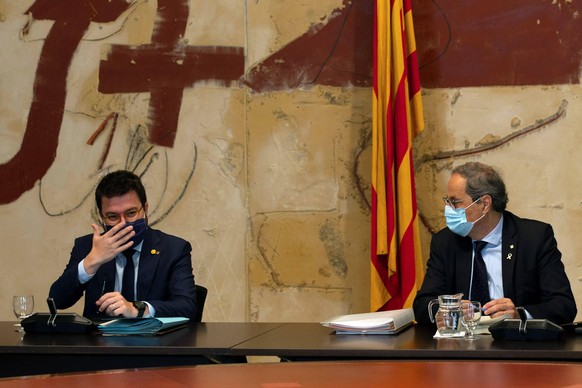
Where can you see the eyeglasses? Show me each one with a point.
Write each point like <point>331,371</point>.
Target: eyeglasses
<point>453,202</point>
<point>129,215</point>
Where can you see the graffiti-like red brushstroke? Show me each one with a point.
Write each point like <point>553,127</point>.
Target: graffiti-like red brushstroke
<point>165,67</point>
<point>39,145</point>
<point>338,53</point>
<point>498,42</point>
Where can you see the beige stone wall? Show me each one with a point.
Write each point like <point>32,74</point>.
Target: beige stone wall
<point>271,189</point>
<point>309,237</point>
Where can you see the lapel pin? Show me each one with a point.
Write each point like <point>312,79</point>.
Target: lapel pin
<point>509,256</point>
<point>154,252</point>
<point>511,246</point>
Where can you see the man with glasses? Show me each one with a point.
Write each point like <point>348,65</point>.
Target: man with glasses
<point>128,270</point>
<point>491,255</point>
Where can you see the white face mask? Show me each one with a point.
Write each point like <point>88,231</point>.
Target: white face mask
<point>457,220</point>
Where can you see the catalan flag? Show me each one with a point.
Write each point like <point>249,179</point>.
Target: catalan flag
<point>397,267</point>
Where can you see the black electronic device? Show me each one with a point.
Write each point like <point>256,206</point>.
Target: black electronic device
<point>56,323</point>
<point>574,328</point>
<point>524,329</point>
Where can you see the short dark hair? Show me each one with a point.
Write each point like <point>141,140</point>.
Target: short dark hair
<point>118,183</point>
<point>483,180</point>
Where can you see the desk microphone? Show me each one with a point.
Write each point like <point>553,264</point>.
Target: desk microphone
<point>524,329</point>
<point>54,323</point>
<point>53,311</point>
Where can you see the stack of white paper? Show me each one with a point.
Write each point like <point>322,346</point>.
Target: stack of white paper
<point>382,322</point>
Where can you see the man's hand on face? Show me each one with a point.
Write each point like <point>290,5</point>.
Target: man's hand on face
<point>107,245</point>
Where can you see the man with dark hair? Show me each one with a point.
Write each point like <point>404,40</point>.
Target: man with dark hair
<point>493,256</point>
<point>129,270</point>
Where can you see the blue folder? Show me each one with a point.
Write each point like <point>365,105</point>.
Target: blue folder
<point>141,326</point>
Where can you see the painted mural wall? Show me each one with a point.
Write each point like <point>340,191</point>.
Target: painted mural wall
<point>250,123</point>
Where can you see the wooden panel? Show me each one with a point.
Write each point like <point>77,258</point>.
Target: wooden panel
<point>346,374</point>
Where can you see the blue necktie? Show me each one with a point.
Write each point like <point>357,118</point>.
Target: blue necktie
<point>127,284</point>
<point>480,288</point>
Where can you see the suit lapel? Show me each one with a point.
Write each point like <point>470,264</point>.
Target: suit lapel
<point>148,263</point>
<point>509,246</point>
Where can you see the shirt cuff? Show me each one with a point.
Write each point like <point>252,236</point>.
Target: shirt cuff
<point>152,311</point>
<point>83,276</point>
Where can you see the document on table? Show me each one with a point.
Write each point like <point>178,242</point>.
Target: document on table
<point>486,321</point>
<point>142,326</point>
<point>382,322</point>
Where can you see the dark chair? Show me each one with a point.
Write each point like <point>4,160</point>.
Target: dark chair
<point>201,293</point>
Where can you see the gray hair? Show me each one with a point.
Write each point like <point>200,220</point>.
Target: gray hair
<point>483,180</point>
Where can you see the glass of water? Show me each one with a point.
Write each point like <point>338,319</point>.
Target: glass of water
<point>471,317</point>
<point>23,306</point>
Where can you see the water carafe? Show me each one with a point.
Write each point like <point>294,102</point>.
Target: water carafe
<point>450,311</point>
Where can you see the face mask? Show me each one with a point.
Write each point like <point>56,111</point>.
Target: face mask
<point>139,227</point>
<point>457,220</point>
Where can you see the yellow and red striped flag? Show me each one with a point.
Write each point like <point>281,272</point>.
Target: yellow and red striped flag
<point>397,267</point>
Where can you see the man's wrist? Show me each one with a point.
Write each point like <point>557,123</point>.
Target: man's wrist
<point>140,307</point>
<point>83,276</point>
<point>90,265</point>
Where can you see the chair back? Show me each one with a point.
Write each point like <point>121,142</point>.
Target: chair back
<point>201,293</point>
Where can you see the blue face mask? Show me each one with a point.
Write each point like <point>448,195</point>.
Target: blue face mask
<point>457,220</point>
<point>139,227</point>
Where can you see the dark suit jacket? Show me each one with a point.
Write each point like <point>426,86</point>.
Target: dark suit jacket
<point>165,278</point>
<point>532,270</point>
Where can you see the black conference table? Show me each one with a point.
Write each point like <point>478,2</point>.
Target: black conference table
<point>201,343</point>
<point>311,341</point>
<point>223,342</point>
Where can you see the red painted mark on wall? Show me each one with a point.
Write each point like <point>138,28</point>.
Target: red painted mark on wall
<point>39,145</point>
<point>165,67</point>
<point>498,42</point>
<point>336,53</point>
